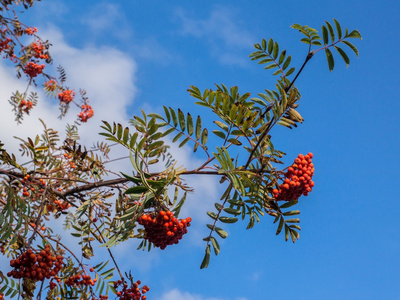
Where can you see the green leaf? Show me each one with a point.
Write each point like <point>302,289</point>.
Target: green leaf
<point>281,222</point>
<point>343,55</point>
<point>204,136</point>
<point>235,142</point>
<point>264,44</point>
<point>173,116</point>
<point>354,34</point>
<point>189,122</point>
<point>206,259</point>
<point>177,137</point>
<point>271,66</point>
<point>291,213</point>
<point>220,134</point>
<point>296,220</point>
<point>198,128</point>
<point>184,142</point>
<point>212,215</point>
<point>329,57</point>
<point>222,233</point>
<point>282,57</point>
<point>215,245</point>
<point>167,114</point>
<point>331,31</point>
<point>232,211</point>
<point>290,71</point>
<point>287,62</point>
<point>276,50</point>
<point>352,47</point>
<point>228,219</point>
<point>288,204</point>
<point>270,45</point>
<point>221,125</point>
<point>338,29</point>
<point>325,34</point>
<point>136,190</point>
<point>182,122</point>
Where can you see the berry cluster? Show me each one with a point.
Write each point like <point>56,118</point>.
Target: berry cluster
<point>50,85</point>
<point>79,280</point>
<point>30,30</point>
<point>32,187</point>
<point>132,293</point>
<point>33,69</point>
<point>298,179</point>
<point>86,113</point>
<point>25,105</point>
<point>38,50</point>
<point>36,266</point>
<point>164,229</point>
<point>4,44</point>
<point>66,96</point>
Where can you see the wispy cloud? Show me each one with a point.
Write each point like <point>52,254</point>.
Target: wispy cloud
<point>108,18</point>
<point>222,29</point>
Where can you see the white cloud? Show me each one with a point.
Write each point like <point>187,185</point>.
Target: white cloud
<point>107,74</point>
<point>109,18</point>
<point>222,29</point>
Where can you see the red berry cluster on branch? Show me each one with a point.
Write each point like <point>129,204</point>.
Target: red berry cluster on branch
<point>38,49</point>
<point>4,44</point>
<point>79,280</point>
<point>25,105</point>
<point>164,229</point>
<point>50,85</point>
<point>33,69</point>
<point>131,293</point>
<point>66,96</point>
<point>36,266</point>
<point>297,179</point>
<point>86,113</point>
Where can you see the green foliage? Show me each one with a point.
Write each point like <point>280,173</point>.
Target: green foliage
<point>65,178</point>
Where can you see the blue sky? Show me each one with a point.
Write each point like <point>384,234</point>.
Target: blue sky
<point>145,54</point>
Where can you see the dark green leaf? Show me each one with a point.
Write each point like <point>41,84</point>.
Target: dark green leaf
<point>287,62</point>
<point>338,29</point>
<point>222,233</point>
<point>184,142</point>
<point>276,50</point>
<point>206,259</point>
<point>343,55</point>
<point>228,219</point>
<point>282,57</point>
<point>280,226</point>
<point>198,128</point>
<point>331,31</point>
<point>232,211</point>
<point>189,121</point>
<point>215,245</point>
<point>173,116</point>
<point>354,48</point>
<point>204,136</point>
<point>181,118</point>
<point>270,45</point>
<point>289,72</point>
<point>329,57</point>
<point>136,190</point>
<point>220,134</point>
<point>354,34</point>
<point>212,215</point>
<point>325,34</point>
<point>288,204</point>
